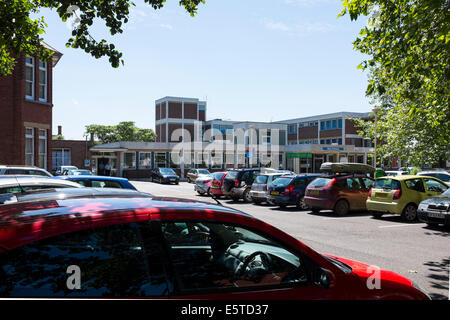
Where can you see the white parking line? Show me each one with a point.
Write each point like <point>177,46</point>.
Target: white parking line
<point>398,225</point>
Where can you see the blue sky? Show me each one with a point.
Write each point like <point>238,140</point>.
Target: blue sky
<point>258,60</point>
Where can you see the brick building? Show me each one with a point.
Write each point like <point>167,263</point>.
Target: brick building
<point>71,152</point>
<point>26,107</point>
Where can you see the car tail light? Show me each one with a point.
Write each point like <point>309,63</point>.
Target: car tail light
<point>370,193</point>
<point>397,194</point>
<point>332,182</point>
<point>207,181</point>
<point>236,183</point>
<point>288,189</point>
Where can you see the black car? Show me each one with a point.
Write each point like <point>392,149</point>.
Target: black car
<point>164,175</point>
<point>237,183</point>
<point>435,210</point>
<point>290,190</point>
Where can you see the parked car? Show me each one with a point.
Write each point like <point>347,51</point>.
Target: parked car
<point>290,190</point>
<point>78,172</point>
<point>164,175</point>
<point>92,181</point>
<point>441,175</point>
<point>48,197</point>
<point>259,190</point>
<point>11,185</point>
<point>238,182</point>
<point>216,184</point>
<point>193,174</point>
<point>343,189</point>
<point>396,173</point>
<point>62,169</point>
<point>24,170</point>
<point>124,246</point>
<point>435,210</point>
<point>203,184</point>
<point>402,194</point>
<point>340,193</point>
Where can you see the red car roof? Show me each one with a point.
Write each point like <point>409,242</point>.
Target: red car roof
<point>21,223</point>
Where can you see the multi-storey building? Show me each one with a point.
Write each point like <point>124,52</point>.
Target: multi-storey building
<point>26,108</point>
<point>185,139</point>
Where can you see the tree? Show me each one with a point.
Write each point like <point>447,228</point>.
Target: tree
<point>124,131</point>
<point>407,43</point>
<point>20,34</point>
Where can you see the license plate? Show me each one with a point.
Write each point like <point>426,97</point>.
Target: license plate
<point>274,193</point>
<point>381,195</point>
<point>172,179</point>
<point>215,184</point>
<point>436,215</point>
<point>314,192</point>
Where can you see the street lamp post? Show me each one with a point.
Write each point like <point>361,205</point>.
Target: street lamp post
<point>375,111</point>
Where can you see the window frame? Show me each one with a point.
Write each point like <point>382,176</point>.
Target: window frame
<point>309,264</point>
<point>44,139</point>
<point>45,83</point>
<point>33,77</point>
<point>29,136</point>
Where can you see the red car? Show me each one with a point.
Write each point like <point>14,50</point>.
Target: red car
<point>215,186</point>
<point>143,246</point>
<point>340,193</point>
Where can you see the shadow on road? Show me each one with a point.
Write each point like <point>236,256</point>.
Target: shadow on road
<point>439,276</point>
<point>331,214</point>
<point>437,231</point>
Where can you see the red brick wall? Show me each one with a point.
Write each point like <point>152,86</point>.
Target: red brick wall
<point>158,133</point>
<point>190,111</point>
<point>77,151</point>
<point>350,127</point>
<point>157,110</point>
<point>163,110</point>
<point>307,133</point>
<point>201,115</point>
<point>189,132</point>
<point>175,110</point>
<point>172,128</point>
<point>330,133</point>
<point>163,133</point>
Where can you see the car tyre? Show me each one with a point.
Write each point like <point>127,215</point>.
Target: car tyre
<point>246,196</point>
<point>301,204</point>
<point>341,208</point>
<point>409,214</point>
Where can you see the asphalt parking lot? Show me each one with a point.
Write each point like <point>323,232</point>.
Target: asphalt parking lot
<point>413,250</point>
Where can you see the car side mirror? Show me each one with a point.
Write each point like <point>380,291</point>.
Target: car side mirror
<point>324,278</point>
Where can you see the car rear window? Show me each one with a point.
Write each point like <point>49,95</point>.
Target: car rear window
<point>280,182</point>
<point>218,175</point>
<point>261,179</point>
<point>232,175</point>
<point>321,182</point>
<point>203,171</point>
<point>387,184</point>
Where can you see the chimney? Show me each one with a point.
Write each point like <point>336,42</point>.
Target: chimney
<point>60,130</point>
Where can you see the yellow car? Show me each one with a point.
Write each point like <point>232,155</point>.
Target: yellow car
<point>402,195</point>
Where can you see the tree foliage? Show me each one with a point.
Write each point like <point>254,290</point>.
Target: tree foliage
<point>124,131</point>
<point>407,44</point>
<point>20,34</point>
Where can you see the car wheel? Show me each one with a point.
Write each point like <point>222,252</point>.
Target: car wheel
<point>301,203</point>
<point>246,196</point>
<point>341,208</point>
<point>200,193</point>
<point>410,213</point>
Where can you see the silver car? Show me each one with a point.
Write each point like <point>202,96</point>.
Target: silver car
<point>258,192</point>
<point>24,170</point>
<point>9,185</point>
<point>202,184</point>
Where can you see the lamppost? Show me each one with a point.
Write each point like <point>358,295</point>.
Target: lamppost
<point>375,111</point>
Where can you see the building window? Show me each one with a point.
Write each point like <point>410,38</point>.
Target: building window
<point>29,77</point>
<point>334,124</point>
<point>43,81</point>
<point>292,129</point>
<point>145,159</point>
<point>160,159</point>
<point>340,123</point>
<point>29,146</point>
<point>129,159</point>
<point>60,157</point>
<point>43,149</point>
